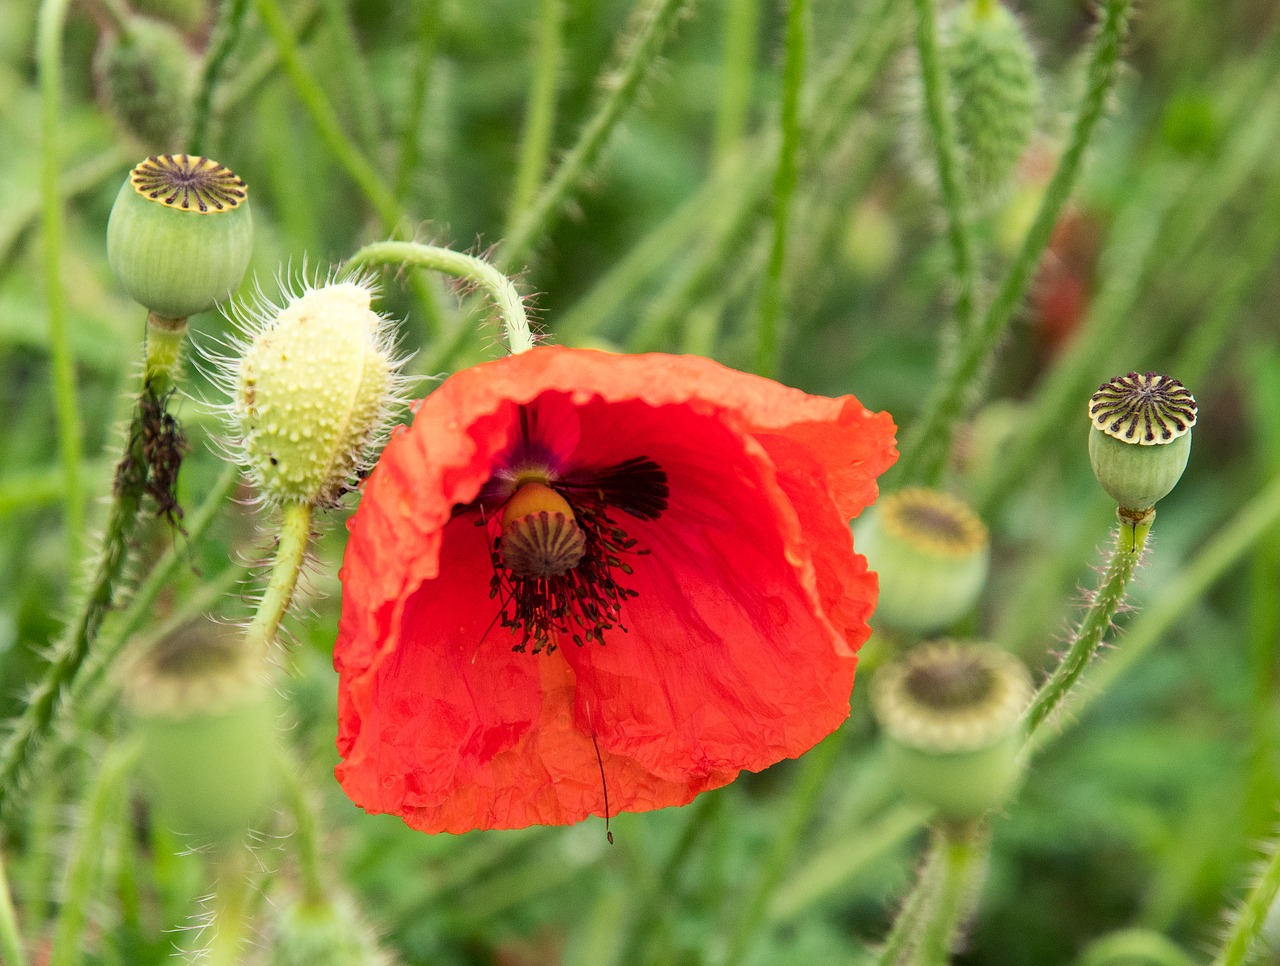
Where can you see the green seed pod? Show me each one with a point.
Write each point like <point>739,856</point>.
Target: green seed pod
<point>206,718</point>
<point>312,390</point>
<point>931,552</point>
<point>1140,437</point>
<point>146,76</point>
<point>995,92</point>
<point>323,934</point>
<point>180,234</point>
<point>951,715</point>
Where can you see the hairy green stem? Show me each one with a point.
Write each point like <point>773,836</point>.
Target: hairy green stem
<point>411,130</point>
<point>655,20</point>
<point>1130,539</point>
<point>500,289</point>
<point>540,109</point>
<point>1246,924</point>
<point>955,203</point>
<point>917,907</point>
<point>226,35</point>
<point>85,861</point>
<point>306,838</point>
<point>227,930</point>
<point>925,450</point>
<point>784,187</point>
<point>52,17</point>
<point>737,71</point>
<point>291,555</point>
<point>961,851</point>
<point>11,946</point>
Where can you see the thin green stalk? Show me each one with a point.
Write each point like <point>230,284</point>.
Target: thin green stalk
<point>961,852</point>
<point>344,150</point>
<point>817,767</point>
<point>1247,922</point>
<point>306,838</point>
<point>226,35</point>
<point>85,863</point>
<point>500,289</point>
<point>917,907</point>
<point>291,555</point>
<point>248,80</point>
<point>1180,593</point>
<point>655,20</point>
<point>540,109</point>
<point>955,203</point>
<point>784,187</point>
<point>411,130</point>
<point>352,73</point>
<point>1130,539</point>
<point>161,366</point>
<point>227,931</point>
<point>737,72</point>
<point>924,453</point>
<point>11,945</point>
<point>52,17</point>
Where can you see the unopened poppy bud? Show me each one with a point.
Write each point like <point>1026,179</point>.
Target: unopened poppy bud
<point>315,385</point>
<point>204,713</point>
<point>951,715</point>
<point>145,76</point>
<point>1140,437</point>
<point>931,552</point>
<point>322,933</point>
<point>180,234</point>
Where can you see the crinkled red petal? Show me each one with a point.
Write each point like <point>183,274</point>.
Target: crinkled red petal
<point>742,637</point>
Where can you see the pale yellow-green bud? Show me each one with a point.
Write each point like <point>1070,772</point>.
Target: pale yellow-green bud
<point>312,391</point>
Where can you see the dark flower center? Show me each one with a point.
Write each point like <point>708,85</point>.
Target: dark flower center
<point>188,183</point>
<point>560,555</point>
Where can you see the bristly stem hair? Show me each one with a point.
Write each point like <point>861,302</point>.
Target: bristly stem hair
<point>926,448</point>
<point>291,554</point>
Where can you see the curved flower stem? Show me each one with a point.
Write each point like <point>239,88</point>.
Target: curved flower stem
<point>162,365</point>
<point>960,851</point>
<point>11,947</point>
<point>52,17</point>
<point>226,34</point>
<point>306,837</point>
<point>499,288</point>
<point>654,18</point>
<point>818,765</point>
<point>85,861</point>
<point>291,555</point>
<point>946,158</point>
<point>1131,538</point>
<point>1249,918</point>
<point>784,187</point>
<point>924,453</point>
<point>540,110</point>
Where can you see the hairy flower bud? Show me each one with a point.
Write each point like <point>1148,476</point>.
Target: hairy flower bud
<point>312,391</point>
<point>323,934</point>
<point>180,234</point>
<point>1140,437</point>
<point>145,76</point>
<point>931,552</point>
<point>951,716</point>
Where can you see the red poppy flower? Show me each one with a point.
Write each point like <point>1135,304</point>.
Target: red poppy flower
<point>579,574</point>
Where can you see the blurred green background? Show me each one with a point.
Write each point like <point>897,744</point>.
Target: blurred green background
<point>1148,812</point>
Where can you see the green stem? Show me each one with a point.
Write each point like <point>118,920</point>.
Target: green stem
<point>428,18</point>
<point>352,73</point>
<point>737,71</point>
<point>306,839</point>
<point>540,110</point>
<point>53,15</point>
<point>11,946</point>
<point>1249,918</point>
<point>226,34</point>
<point>325,118</point>
<point>291,555</point>
<point>479,272</point>
<point>655,19</point>
<point>85,862</point>
<point>228,921</point>
<point>1131,538</point>
<point>961,851</point>
<point>817,768</point>
<point>938,116</point>
<point>784,187</point>
<point>925,449</point>
<point>917,907</point>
